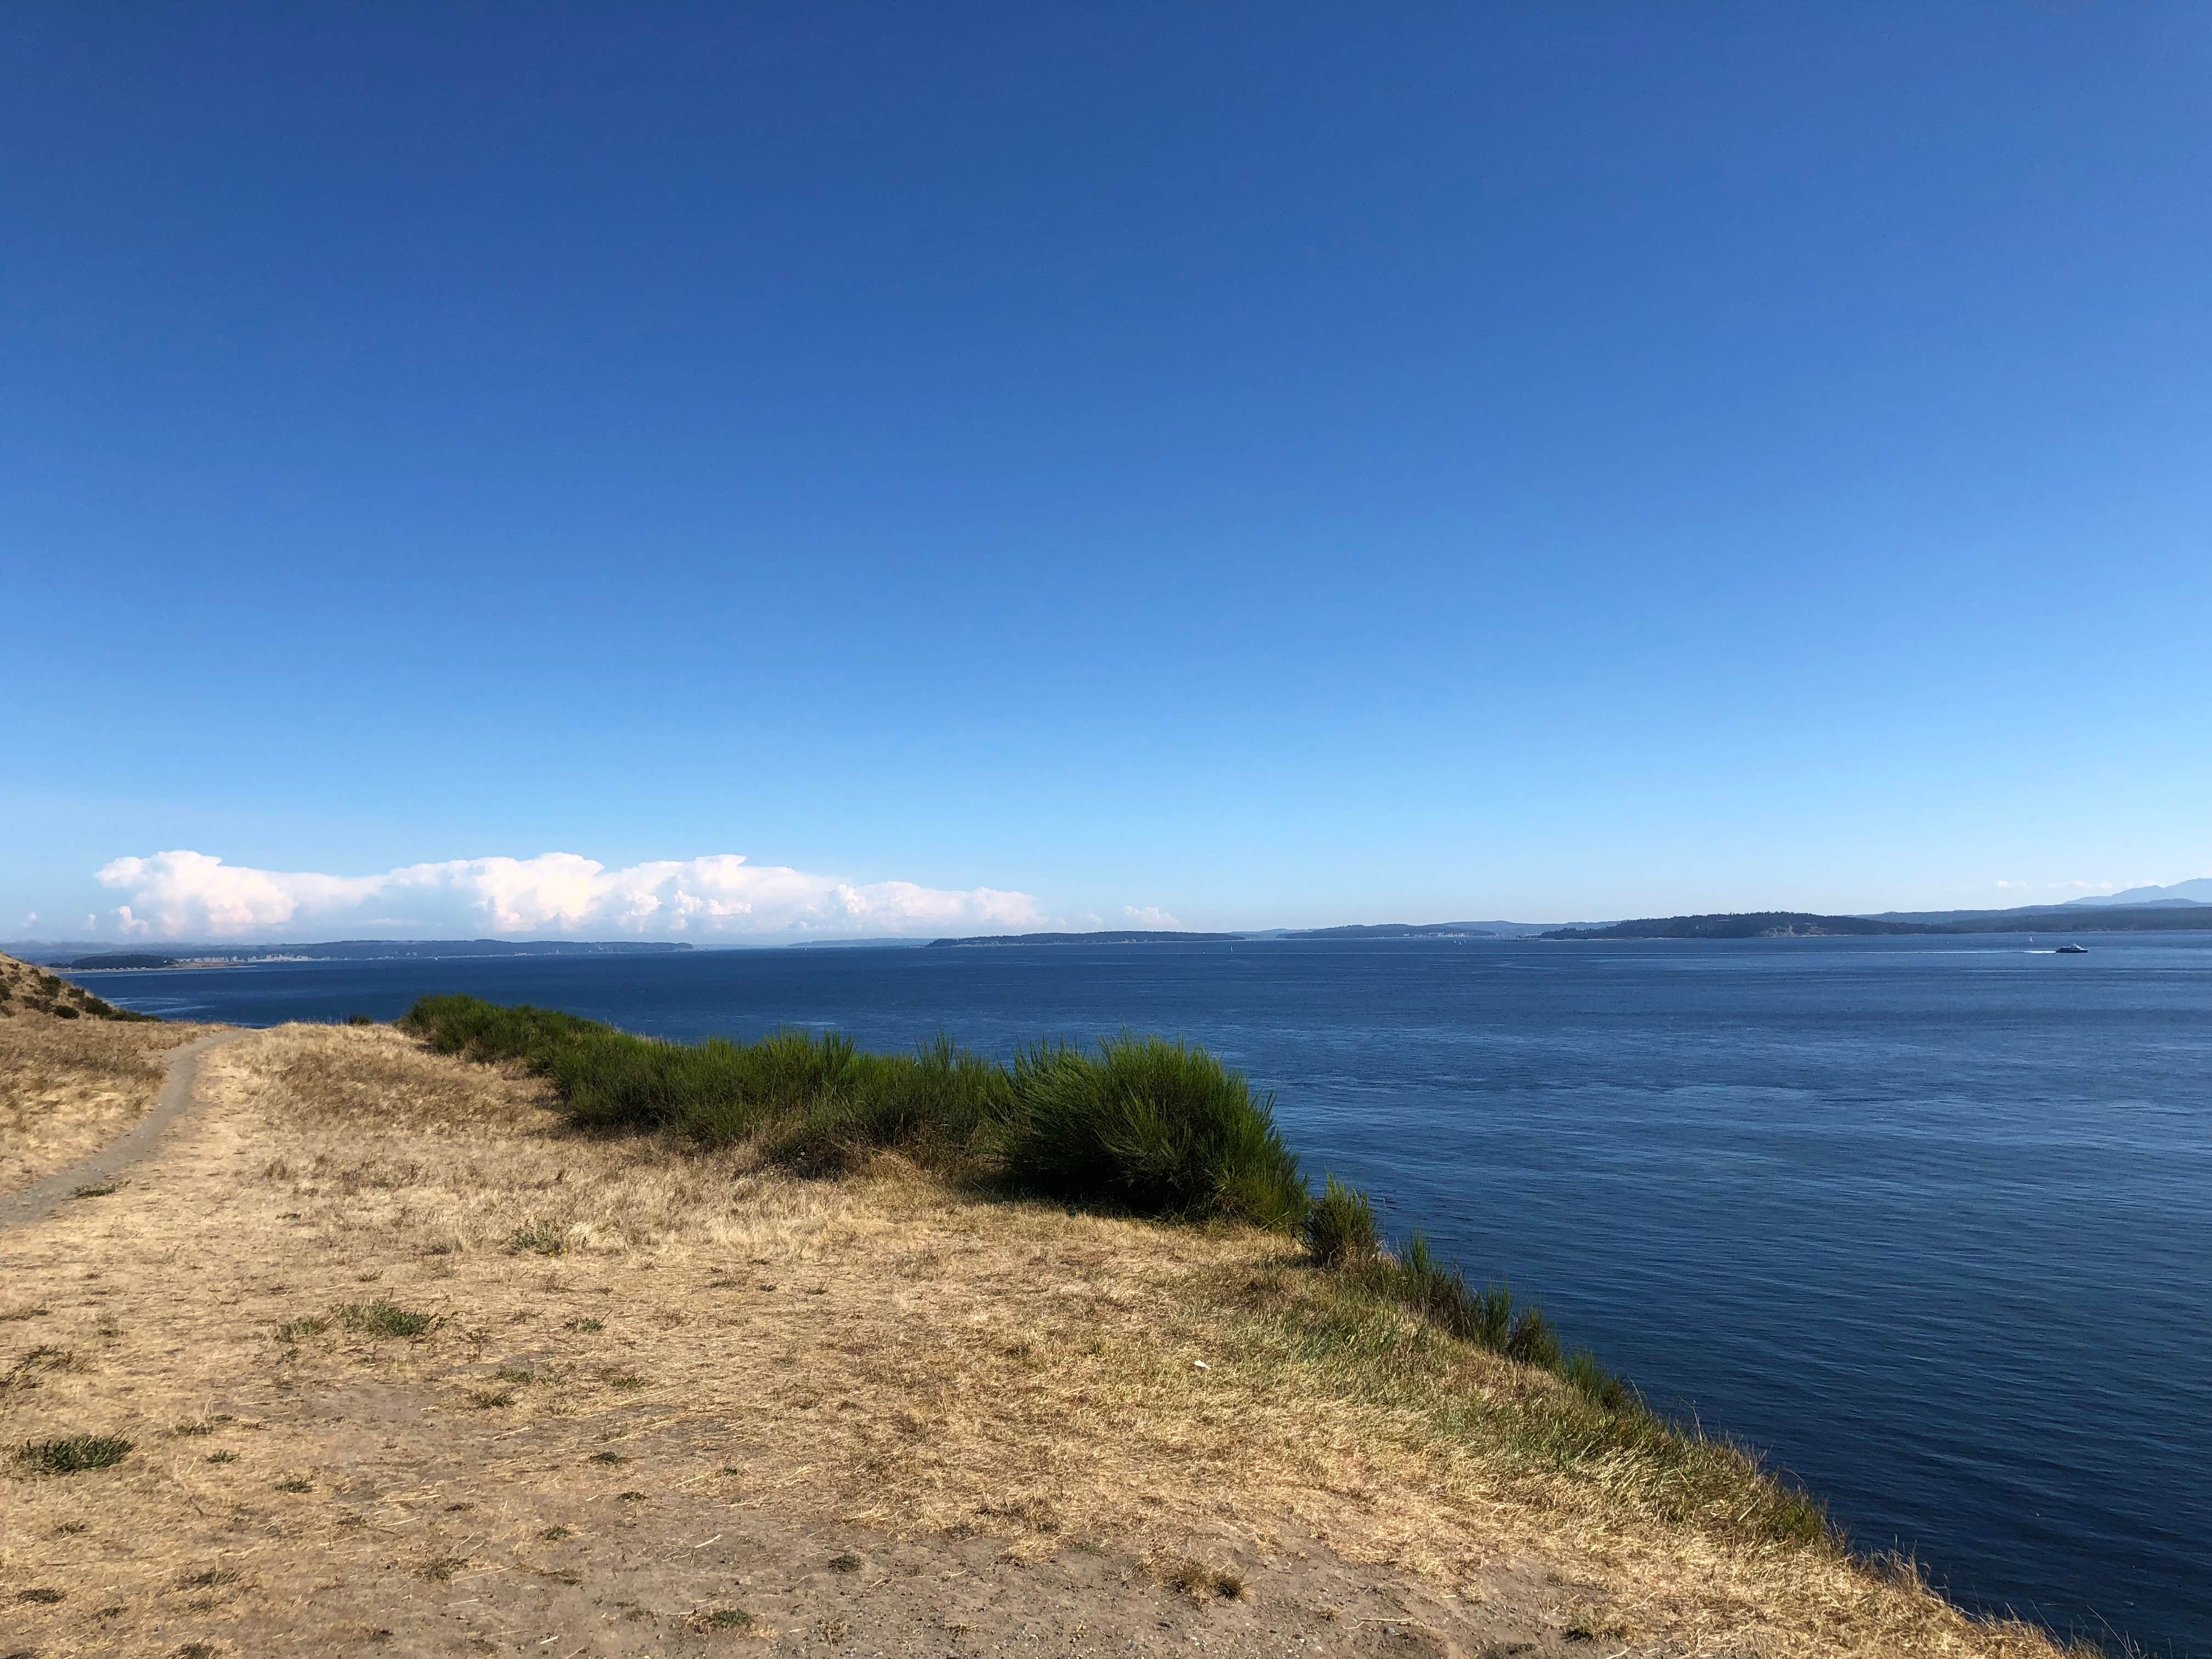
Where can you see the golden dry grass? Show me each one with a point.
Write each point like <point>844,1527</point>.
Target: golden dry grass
<point>634,1348</point>
<point>68,1086</point>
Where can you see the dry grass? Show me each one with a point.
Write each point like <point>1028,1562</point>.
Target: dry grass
<point>896,1387</point>
<point>68,1086</point>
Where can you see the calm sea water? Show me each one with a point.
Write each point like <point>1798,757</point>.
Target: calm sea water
<point>1930,1222</point>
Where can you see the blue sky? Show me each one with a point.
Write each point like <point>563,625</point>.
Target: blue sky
<point>1276,467</point>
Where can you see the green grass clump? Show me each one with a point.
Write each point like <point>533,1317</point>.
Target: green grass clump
<point>381,1319</point>
<point>1442,1295</point>
<point>1153,1126</point>
<point>73,1455</point>
<point>1340,1227</point>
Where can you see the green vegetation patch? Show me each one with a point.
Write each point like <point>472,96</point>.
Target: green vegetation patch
<point>72,1456</point>
<point>381,1319</point>
<point>1135,1123</point>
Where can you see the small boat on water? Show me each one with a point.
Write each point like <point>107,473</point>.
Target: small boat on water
<point>2071,951</point>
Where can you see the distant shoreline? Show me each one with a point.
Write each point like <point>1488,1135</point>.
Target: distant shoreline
<point>2181,916</point>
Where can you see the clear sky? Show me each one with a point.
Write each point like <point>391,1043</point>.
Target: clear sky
<point>1252,466</point>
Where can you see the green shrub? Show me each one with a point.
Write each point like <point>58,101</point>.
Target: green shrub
<point>1138,1123</point>
<point>1154,1125</point>
<point>1341,1226</point>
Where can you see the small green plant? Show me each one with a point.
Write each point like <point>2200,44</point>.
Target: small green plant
<point>223,1457</point>
<point>633,1498</point>
<point>72,1456</point>
<point>847,1562</point>
<point>440,1568</point>
<point>490,1399</point>
<point>588,1326</point>
<point>724,1619</point>
<point>359,1019</point>
<point>1340,1227</point>
<point>308,1325</point>
<point>516,1374</point>
<point>553,1534</point>
<point>295,1484</point>
<point>98,1190</point>
<point>41,1596</point>
<point>380,1318</point>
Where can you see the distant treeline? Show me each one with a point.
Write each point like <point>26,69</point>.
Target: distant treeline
<point>1134,936</point>
<point>1395,930</point>
<point>373,949</point>
<point>1797,924</point>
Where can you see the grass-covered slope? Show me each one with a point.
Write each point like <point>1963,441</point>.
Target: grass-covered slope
<point>26,988</point>
<point>1137,1126</point>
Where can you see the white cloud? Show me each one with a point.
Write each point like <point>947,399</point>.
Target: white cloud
<point>1149,915</point>
<point>185,895</point>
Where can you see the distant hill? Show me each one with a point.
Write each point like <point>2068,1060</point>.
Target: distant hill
<point>1397,930</point>
<point>1794,924</point>
<point>2198,891</point>
<point>1139,936</point>
<point>367,950</point>
<point>1758,924</point>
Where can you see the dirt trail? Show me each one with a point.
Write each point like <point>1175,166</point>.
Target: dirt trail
<point>102,1169</point>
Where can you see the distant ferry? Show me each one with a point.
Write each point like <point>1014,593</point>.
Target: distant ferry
<point>2072,950</point>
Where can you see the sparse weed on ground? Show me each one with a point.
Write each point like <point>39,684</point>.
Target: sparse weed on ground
<point>1189,1575</point>
<point>380,1319</point>
<point>539,1238</point>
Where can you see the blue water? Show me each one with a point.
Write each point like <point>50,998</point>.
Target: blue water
<point>1929,1221</point>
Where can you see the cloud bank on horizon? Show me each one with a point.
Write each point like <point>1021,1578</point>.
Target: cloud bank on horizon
<point>187,895</point>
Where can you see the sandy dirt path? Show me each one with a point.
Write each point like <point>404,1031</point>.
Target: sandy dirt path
<point>105,1167</point>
